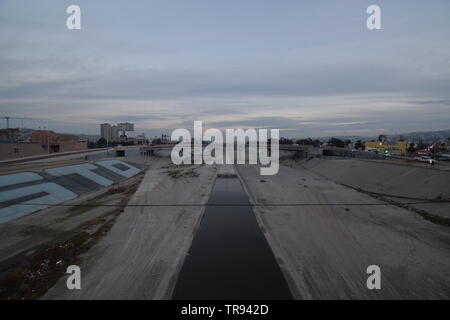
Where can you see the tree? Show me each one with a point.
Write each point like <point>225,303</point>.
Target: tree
<point>359,145</point>
<point>308,142</point>
<point>421,145</point>
<point>101,143</point>
<point>412,147</point>
<point>286,141</point>
<point>334,142</point>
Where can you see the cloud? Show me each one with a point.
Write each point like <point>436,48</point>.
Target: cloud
<point>444,102</point>
<point>163,65</point>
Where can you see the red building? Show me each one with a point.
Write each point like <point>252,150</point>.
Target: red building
<point>13,150</point>
<point>53,142</point>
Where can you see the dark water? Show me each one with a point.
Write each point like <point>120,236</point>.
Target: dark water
<point>230,257</point>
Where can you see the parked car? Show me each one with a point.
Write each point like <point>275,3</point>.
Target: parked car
<point>425,159</point>
<point>444,157</point>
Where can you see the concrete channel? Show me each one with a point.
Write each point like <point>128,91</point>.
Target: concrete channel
<point>230,257</point>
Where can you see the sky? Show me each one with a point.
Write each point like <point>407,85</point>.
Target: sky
<point>308,68</point>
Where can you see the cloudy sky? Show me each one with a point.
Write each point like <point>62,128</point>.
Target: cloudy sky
<point>309,68</point>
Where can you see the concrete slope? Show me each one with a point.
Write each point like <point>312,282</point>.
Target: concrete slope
<point>398,179</point>
<point>324,250</point>
<point>385,177</point>
<point>142,254</point>
<point>24,233</point>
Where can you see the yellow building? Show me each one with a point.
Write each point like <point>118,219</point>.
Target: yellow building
<point>382,147</point>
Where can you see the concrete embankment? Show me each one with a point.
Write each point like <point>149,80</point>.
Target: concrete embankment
<point>27,192</point>
<point>141,256</point>
<point>395,181</point>
<point>37,247</point>
<point>385,177</point>
<point>41,206</point>
<point>325,236</point>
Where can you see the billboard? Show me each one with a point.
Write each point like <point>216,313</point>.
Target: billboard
<point>395,148</point>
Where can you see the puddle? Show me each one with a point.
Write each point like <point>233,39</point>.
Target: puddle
<point>230,257</point>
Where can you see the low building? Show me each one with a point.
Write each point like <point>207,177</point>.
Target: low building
<point>53,142</point>
<point>384,147</point>
<point>43,137</point>
<point>140,139</point>
<point>10,135</point>
<point>77,145</point>
<point>13,150</point>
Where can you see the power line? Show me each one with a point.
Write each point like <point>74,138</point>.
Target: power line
<point>232,204</point>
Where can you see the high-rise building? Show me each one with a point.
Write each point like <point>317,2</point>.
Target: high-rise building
<point>126,126</point>
<point>105,131</point>
<point>114,133</point>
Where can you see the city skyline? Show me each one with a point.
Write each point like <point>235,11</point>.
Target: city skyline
<point>306,69</point>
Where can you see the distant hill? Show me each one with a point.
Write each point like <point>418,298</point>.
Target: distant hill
<point>433,136</point>
<point>425,136</point>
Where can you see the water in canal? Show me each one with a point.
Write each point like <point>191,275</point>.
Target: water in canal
<point>229,257</point>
